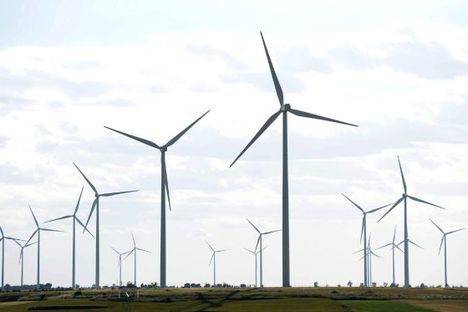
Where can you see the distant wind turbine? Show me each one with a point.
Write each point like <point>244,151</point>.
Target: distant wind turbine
<point>393,254</point>
<point>368,254</point>
<point>255,254</point>
<point>2,239</point>
<point>213,259</point>
<point>74,220</point>
<point>134,251</point>
<point>120,254</point>
<point>284,109</point>
<point>38,231</point>
<point>96,206</point>
<point>364,232</point>
<point>164,188</point>
<point>21,257</point>
<point>404,199</point>
<point>444,242</point>
<point>260,241</point>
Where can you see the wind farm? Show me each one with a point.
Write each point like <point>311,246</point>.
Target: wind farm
<point>356,181</point>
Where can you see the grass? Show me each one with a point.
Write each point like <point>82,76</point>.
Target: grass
<point>266,299</point>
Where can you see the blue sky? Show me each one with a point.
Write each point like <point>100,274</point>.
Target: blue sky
<point>399,70</point>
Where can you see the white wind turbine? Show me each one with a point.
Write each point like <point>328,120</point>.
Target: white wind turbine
<point>393,254</point>
<point>255,254</point>
<point>21,257</point>
<point>260,241</point>
<point>364,233</point>
<point>95,205</point>
<point>120,254</point>
<point>3,239</point>
<point>134,251</point>
<point>443,241</point>
<point>406,241</point>
<point>37,232</point>
<point>74,219</point>
<point>213,259</point>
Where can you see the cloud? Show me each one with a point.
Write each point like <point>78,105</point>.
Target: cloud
<point>209,53</point>
<point>427,60</point>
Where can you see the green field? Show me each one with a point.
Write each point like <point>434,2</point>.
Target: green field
<point>253,299</point>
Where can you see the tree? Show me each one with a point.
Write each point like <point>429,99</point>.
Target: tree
<point>350,284</point>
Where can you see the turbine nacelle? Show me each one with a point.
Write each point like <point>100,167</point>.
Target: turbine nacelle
<point>285,108</point>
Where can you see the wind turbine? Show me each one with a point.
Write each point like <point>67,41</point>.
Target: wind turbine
<point>255,254</point>
<point>213,259</point>
<point>21,258</point>
<point>368,253</point>
<point>38,232</point>
<point>2,239</point>
<point>134,251</point>
<point>260,241</point>
<point>284,109</point>
<point>364,232</point>
<point>393,254</point>
<point>404,199</point>
<point>96,206</point>
<point>120,254</point>
<point>444,242</point>
<point>164,188</point>
<point>74,220</point>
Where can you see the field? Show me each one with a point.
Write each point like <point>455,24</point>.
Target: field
<point>251,299</point>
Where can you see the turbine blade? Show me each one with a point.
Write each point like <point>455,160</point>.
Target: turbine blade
<point>87,180</point>
<point>373,253</point>
<point>35,220</point>
<point>84,227</point>
<point>397,247</point>
<point>424,202</point>
<point>377,209</point>
<point>258,241</point>
<point>117,193</point>
<point>78,202</point>
<point>257,135</point>
<point>402,175</point>
<point>129,253</point>
<point>32,235</point>
<point>210,246</point>
<point>360,250</point>
<point>441,242</point>
<point>256,229</point>
<point>91,212</point>
<point>269,232</point>
<point>437,226</point>
<point>451,232</point>
<point>144,141</point>
<point>144,250</point>
<point>221,250</point>
<point>362,228</point>
<point>211,259</point>
<point>166,183</point>
<point>389,244</point>
<point>178,136</point>
<point>115,250</point>
<point>250,251</point>
<point>279,91</point>
<point>314,116</point>
<point>357,206</point>
<point>394,235</point>
<point>1,231</point>
<point>50,230</point>
<point>133,239</point>
<point>391,208</point>
<point>56,219</point>
<point>30,244</point>
<point>409,240</point>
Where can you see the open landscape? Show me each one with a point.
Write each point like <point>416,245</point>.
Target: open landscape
<point>246,299</point>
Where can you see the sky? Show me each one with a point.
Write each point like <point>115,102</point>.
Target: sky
<point>397,69</point>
